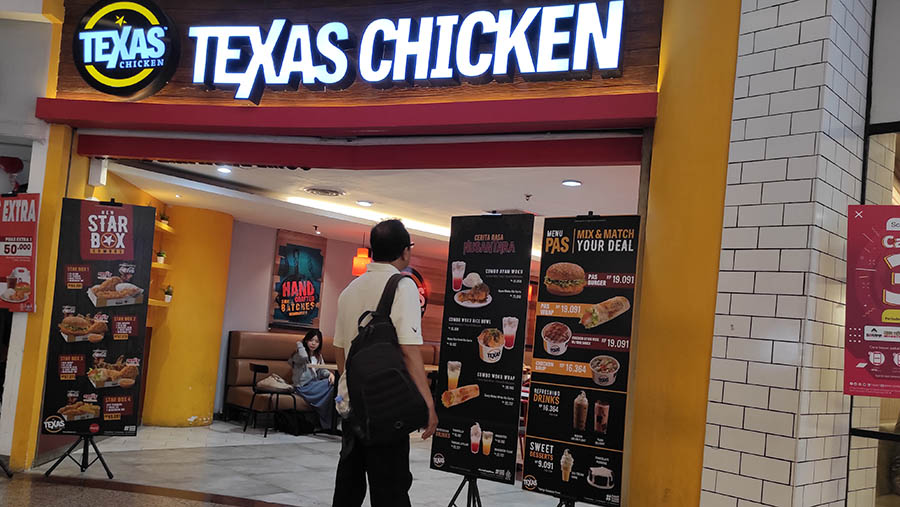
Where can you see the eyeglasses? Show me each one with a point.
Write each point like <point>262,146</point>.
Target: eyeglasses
<point>410,245</point>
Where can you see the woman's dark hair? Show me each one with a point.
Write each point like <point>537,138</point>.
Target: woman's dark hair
<point>388,239</point>
<point>318,352</point>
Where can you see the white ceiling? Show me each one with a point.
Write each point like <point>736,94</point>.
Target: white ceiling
<point>429,196</point>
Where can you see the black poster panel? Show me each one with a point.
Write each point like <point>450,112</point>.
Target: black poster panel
<point>482,346</point>
<point>577,398</point>
<point>96,344</point>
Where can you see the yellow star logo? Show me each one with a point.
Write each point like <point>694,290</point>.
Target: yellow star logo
<point>120,20</point>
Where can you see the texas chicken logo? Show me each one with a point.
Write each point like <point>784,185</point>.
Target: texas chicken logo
<point>127,49</point>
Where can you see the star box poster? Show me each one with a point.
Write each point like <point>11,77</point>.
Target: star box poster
<point>298,285</point>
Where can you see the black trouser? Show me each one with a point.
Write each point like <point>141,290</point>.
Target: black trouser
<point>387,467</point>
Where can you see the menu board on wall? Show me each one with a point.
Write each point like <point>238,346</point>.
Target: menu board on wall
<point>18,232</point>
<point>576,407</point>
<point>298,281</point>
<point>872,333</point>
<point>96,348</point>
<point>482,346</point>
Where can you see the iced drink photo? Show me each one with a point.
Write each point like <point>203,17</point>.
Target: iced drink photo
<point>601,416</point>
<point>453,368</point>
<point>475,437</point>
<point>487,438</point>
<point>459,271</point>
<point>510,328</point>
<point>579,420</point>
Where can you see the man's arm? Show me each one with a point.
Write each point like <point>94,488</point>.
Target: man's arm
<point>340,358</point>
<point>413,359</point>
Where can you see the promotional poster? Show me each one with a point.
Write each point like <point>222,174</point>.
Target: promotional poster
<point>96,344</point>
<point>582,342</point>
<point>18,231</point>
<point>482,346</point>
<point>298,285</point>
<point>872,341</point>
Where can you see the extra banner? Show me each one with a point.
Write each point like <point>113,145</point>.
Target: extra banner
<point>96,348</point>
<point>18,232</point>
<point>872,333</point>
<point>579,384</point>
<point>482,346</point>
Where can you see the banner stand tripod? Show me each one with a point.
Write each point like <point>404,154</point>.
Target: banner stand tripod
<point>473,499</point>
<point>5,470</point>
<point>84,465</point>
<point>565,502</point>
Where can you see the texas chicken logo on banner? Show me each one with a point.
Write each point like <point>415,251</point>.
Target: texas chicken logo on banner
<point>129,49</point>
<point>106,232</point>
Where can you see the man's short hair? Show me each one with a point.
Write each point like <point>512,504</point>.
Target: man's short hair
<point>388,239</point>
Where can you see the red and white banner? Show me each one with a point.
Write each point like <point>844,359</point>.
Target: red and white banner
<point>18,233</point>
<point>872,341</point>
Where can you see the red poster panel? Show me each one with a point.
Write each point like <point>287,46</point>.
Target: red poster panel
<point>872,342</point>
<point>18,232</point>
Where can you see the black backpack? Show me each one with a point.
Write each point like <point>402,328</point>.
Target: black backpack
<point>386,406</point>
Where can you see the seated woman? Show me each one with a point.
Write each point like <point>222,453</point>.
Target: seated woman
<point>313,384</point>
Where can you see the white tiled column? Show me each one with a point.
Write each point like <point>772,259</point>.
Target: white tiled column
<point>777,422</point>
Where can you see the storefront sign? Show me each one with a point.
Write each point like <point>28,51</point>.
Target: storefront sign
<point>482,346</point>
<point>579,383</point>
<point>298,284</point>
<point>96,348</point>
<point>129,49</point>
<point>18,231</point>
<point>547,42</point>
<point>872,333</point>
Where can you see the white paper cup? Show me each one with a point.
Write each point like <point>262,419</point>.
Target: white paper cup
<point>556,348</point>
<point>490,354</point>
<point>604,378</point>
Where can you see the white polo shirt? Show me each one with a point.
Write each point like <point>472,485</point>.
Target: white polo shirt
<point>363,294</point>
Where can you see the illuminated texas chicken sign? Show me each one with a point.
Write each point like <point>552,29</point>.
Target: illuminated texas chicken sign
<point>130,49</point>
<point>540,42</point>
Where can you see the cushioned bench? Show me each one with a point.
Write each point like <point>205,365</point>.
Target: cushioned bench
<point>274,350</point>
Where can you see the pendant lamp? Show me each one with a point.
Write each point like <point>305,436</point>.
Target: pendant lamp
<point>361,260</point>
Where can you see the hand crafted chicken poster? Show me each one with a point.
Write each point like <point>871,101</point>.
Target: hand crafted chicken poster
<point>872,334</point>
<point>582,341</point>
<point>96,348</point>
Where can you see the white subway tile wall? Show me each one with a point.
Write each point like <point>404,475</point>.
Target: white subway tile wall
<point>777,423</point>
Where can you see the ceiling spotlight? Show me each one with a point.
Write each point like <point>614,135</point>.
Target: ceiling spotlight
<point>571,183</point>
<point>365,204</point>
<point>316,227</point>
<point>224,170</point>
<point>178,196</point>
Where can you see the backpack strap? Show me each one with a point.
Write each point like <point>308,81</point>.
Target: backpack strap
<point>387,297</point>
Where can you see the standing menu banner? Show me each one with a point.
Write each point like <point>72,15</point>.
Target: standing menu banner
<point>872,340</point>
<point>96,348</point>
<point>579,382</point>
<point>18,232</point>
<point>482,346</point>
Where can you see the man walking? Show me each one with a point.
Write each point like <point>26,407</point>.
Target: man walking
<point>387,466</point>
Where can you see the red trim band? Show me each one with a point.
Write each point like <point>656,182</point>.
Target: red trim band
<point>488,117</point>
<point>558,152</point>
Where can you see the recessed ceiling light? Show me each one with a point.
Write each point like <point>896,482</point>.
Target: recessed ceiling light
<point>224,170</point>
<point>325,192</point>
<point>365,204</point>
<point>571,183</point>
<point>178,196</point>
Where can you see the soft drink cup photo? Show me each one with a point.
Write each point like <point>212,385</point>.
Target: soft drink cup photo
<point>459,272</point>
<point>510,329</point>
<point>475,437</point>
<point>487,438</point>
<point>453,369</point>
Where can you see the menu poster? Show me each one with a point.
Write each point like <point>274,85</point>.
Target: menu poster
<point>576,407</point>
<point>482,346</point>
<point>96,348</point>
<point>872,333</point>
<point>18,231</point>
<point>298,284</point>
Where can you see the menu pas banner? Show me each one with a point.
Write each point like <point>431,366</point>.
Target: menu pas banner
<point>482,346</point>
<point>579,383</point>
<point>872,333</point>
<point>96,348</point>
<point>18,232</point>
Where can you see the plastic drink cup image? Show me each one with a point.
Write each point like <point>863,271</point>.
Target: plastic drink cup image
<point>487,438</point>
<point>453,368</point>
<point>475,438</point>
<point>510,328</point>
<point>459,271</point>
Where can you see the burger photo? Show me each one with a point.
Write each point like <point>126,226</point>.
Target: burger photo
<point>565,279</point>
<point>75,325</point>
